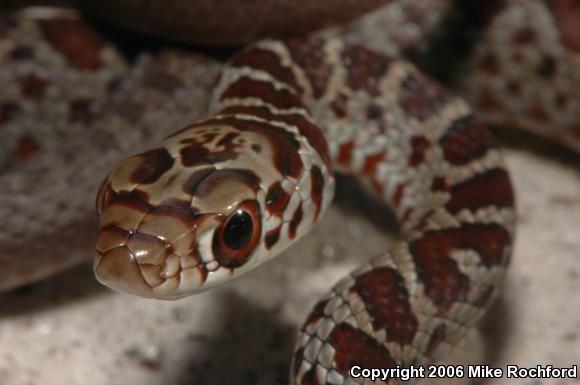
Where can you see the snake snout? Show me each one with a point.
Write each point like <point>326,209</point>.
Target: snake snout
<point>118,270</point>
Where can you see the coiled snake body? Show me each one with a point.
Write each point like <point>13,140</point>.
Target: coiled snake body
<point>221,196</point>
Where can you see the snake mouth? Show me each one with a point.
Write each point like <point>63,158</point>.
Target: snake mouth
<point>119,270</point>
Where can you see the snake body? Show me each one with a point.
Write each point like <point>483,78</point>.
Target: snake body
<point>223,195</point>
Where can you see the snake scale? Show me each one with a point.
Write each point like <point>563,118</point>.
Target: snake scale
<point>223,195</point>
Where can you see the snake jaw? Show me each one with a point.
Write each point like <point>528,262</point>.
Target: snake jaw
<point>146,266</point>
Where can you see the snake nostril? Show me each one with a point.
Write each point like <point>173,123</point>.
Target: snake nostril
<point>103,197</point>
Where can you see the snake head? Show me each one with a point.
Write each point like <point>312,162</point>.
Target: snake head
<point>204,207</point>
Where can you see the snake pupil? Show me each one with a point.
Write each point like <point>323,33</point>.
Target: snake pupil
<point>238,231</point>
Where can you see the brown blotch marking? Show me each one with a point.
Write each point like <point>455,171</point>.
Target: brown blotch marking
<point>371,163</point>
<point>80,111</point>
<point>538,113</point>
<point>310,131</point>
<point>338,105</point>
<point>526,35</point>
<point>27,147</point>
<point>260,112</point>
<point>284,145</point>
<point>374,112</point>
<point>567,15</point>
<point>227,139</point>
<point>560,101</point>
<point>309,54</point>
<point>195,153</point>
<point>466,139</point>
<point>438,336</point>
<point>439,184</point>
<point>5,25</point>
<point>355,347</point>
<point>407,214</point>
<point>387,302</point>
<point>246,87</point>
<point>114,84</point>
<point>315,138</point>
<point>547,67</point>
<point>576,130</point>
<point>22,52</point>
<point>154,164</point>
<point>276,199</point>
<point>491,188</point>
<point>272,237</point>
<point>33,86</point>
<point>421,96</point>
<point>8,111</point>
<point>365,68</point>
<point>76,41</point>
<point>513,87</point>
<point>163,81</point>
<point>269,62</point>
<point>256,148</point>
<point>317,189</point>
<point>398,195</point>
<point>295,222</point>
<point>345,153</point>
<point>141,195</point>
<point>488,102</point>
<point>419,146</point>
<point>444,283</point>
<point>489,64</point>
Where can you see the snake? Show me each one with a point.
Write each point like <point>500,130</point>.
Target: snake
<point>221,196</point>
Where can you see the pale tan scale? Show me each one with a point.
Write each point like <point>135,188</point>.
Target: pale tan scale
<point>140,243</point>
<point>165,226</point>
<point>113,237</point>
<point>152,275</point>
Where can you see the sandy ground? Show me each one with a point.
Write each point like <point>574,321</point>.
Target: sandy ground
<point>70,330</point>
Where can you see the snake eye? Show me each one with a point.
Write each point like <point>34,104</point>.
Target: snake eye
<point>236,238</point>
<point>238,230</point>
